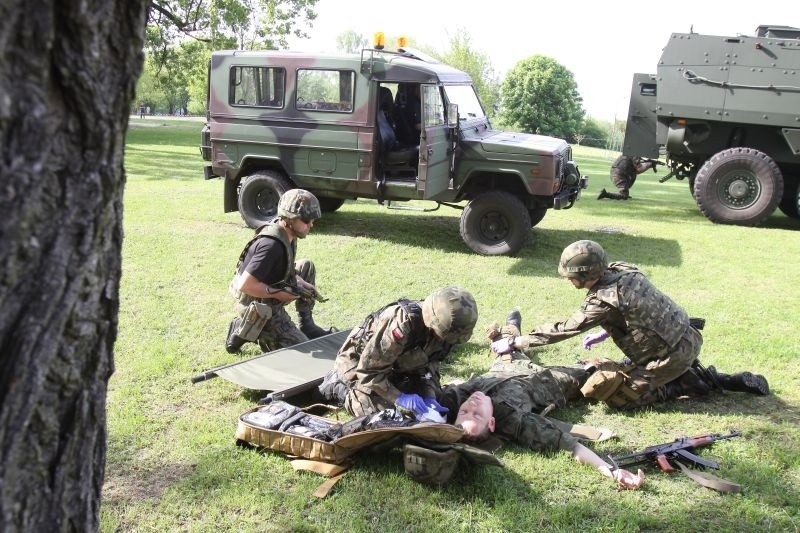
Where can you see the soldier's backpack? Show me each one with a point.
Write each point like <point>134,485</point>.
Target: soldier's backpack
<point>326,447</point>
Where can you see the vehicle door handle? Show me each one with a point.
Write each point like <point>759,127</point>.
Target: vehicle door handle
<point>430,151</point>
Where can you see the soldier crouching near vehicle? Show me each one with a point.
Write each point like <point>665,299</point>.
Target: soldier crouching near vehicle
<point>393,357</point>
<point>268,277</point>
<point>624,170</point>
<point>655,334</point>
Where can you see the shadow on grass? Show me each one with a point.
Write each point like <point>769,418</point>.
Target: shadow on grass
<point>541,253</point>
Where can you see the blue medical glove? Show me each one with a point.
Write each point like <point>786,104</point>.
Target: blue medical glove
<point>503,346</point>
<point>594,338</point>
<point>412,402</point>
<point>436,406</point>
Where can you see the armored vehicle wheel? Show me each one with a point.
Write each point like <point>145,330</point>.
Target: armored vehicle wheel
<point>259,194</point>
<point>537,214</point>
<point>790,203</point>
<point>738,186</point>
<point>495,223</point>
<point>329,205</point>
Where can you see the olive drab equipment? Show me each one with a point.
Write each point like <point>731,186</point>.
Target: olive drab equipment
<point>582,260</point>
<point>327,446</point>
<point>298,203</point>
<point>452,313</point>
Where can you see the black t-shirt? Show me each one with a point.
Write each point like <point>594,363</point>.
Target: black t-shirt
<point>266,260</point>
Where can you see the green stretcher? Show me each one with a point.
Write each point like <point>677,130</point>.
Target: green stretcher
<point>287,371</point>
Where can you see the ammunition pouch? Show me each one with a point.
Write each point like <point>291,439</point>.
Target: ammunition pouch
<point>253,321</point>
<point>602,384</point>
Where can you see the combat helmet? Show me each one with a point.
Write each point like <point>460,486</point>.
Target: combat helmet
<point>452,313</point>
<point>299,203</point>
<point>430,466</point>
<point>582,260</point>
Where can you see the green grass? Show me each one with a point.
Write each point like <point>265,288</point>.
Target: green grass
<point>172,463</point>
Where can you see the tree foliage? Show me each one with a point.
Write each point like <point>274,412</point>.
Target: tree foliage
<point>351,42</point>
<point>477,64</point>
<point>539,95</point>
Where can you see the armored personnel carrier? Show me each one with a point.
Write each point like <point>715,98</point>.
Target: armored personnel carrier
<point>726,111</point>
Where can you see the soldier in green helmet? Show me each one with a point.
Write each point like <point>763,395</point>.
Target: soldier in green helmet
<point>265,274</point>
<point>655,334</point>
<point>392,359</point>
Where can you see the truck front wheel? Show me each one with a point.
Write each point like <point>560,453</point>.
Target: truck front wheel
<point>259,194</point>
<point>495,223</point>
<point>738,186</point>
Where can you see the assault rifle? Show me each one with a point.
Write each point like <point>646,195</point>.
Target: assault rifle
<point>653,162</point>
<point>302,292</point>
<point>680,448</point>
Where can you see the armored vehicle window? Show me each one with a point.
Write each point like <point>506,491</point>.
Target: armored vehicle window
<point>469,106</point>
<point>433,106</point>
<point>647,89</point>
<point>257,86</point>
<point>325,90</point>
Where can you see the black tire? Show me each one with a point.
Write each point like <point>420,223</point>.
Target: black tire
<point>495,223</point>
<point>259,195</point>
<point>329,205</point>
<point>738,186</point>
<point>537,214</point>
<point>790,202</point>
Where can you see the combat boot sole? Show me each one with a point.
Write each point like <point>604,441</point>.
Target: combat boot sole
<point>755,383</point>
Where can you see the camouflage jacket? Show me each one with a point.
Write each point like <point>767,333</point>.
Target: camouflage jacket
<point>623,166</point>
<point>393,351</point>
<point>518,394</point>
<point>643,322</point>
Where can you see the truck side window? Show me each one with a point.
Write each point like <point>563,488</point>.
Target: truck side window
<point>325,90</point>
<point>257,86</point>
<point>432,106</point>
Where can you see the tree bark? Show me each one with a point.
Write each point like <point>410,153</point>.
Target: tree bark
<point>68,72</point>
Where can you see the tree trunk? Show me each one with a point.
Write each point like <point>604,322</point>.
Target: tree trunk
<point>68,71</point>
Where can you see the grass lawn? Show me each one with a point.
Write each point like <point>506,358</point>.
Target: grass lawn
<point>172,463</point>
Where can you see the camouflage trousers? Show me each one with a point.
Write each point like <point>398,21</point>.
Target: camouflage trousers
<point>623,183</point>
<point>280,331</point>
<point>650,380</point>
<point>358,402</point>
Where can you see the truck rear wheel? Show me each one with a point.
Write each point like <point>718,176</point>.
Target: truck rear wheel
<point>259,194</point>
<point>790,202</point>
<point>329,205</point>
<point>495,223</point>
<point>738,186</point>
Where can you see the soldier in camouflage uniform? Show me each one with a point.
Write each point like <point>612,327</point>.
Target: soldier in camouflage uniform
<point>652,331</point>
<point>392,358</point>
<point>623,174</point>
<point>508,400</point>
<point>265,273</point>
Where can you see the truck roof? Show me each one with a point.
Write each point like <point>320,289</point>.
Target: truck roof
<point>386,65</point>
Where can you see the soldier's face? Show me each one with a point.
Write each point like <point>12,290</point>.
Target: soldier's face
<point>475,416</point>
<point>302,226</point>
<point>582,284</point>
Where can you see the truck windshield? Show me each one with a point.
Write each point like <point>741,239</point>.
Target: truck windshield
<point>468,104</point>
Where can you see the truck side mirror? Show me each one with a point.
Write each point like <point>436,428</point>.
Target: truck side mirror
<point>452,115</point>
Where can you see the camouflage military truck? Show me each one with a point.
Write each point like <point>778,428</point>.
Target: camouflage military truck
<point>727,112</point>
<point>393,126</point>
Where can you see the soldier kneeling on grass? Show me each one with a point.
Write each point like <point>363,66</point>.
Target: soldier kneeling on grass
<point>659,341</point>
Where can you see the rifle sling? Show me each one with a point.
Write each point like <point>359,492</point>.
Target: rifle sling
<point>710,480</point>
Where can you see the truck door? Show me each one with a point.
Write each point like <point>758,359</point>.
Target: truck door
<point>640,131</point>
<point>433,174</point>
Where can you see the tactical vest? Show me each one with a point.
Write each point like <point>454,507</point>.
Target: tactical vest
<point>418,329</point>
<point>655,323</point>
<point>271,230</point>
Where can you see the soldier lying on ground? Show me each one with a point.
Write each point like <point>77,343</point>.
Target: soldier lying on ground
<point>653,332</point>
<point>392,358</point>
<point>507,399</point>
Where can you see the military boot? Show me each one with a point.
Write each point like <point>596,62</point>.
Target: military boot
<point>309,328</point>
<point>741,382</point>
<point>690,384</point>
<point>514,319</point>
<point>233,342</point>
